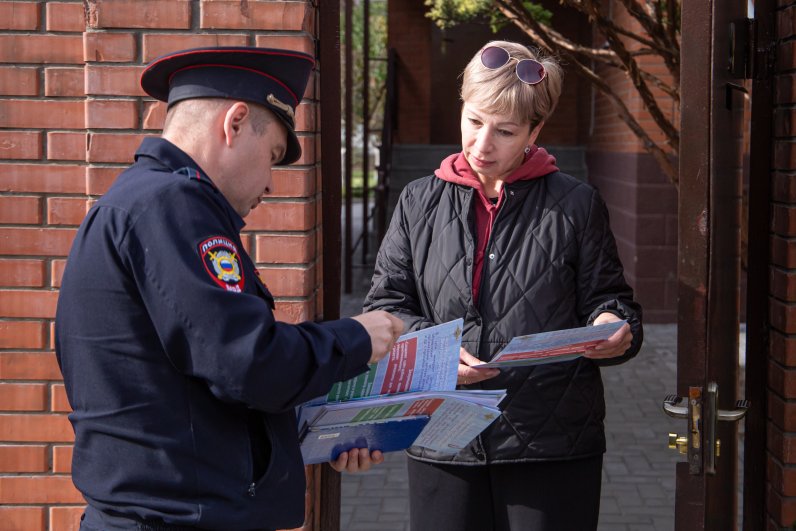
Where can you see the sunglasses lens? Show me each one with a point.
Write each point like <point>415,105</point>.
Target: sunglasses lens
<point>530,71</point>
<point>494,57</point>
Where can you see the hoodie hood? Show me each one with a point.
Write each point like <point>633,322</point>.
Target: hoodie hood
<point>456,169</point>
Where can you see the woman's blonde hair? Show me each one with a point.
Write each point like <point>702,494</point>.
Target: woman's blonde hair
<point>500,91</point>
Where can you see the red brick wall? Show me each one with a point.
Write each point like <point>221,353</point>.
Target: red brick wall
<point>642,201</point>
<point>71,115</point>
<point>781,470</point>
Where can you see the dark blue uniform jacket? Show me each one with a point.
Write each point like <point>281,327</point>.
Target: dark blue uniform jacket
<point>182,384</point>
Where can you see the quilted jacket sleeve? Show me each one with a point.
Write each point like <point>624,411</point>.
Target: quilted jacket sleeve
<point>601,282</point>
<point>393,287</point>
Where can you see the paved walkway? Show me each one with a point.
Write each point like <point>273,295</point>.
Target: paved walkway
<point>638,471</point>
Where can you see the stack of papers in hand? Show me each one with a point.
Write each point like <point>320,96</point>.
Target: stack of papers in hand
<point>549,347</point>
<point>408,398</point>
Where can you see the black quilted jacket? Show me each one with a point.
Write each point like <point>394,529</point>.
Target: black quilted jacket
<point>551,263</point>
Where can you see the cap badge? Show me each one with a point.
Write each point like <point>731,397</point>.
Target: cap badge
<point>220,258</point>
<point>276,102</point>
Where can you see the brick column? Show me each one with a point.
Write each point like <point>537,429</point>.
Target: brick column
<point>71,116</point>
<point>781,469</point>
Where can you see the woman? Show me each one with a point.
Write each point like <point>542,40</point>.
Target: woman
<point>500,237</point>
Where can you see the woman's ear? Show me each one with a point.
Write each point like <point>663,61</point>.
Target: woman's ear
<point>234,119</point>
<point>535,133</point>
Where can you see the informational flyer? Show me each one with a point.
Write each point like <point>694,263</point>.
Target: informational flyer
<point>549,347</point>
<point>423,360</point>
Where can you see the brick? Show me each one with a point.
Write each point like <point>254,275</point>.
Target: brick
<point>786,23</point>
<point>285,249</point>
<point>782,445</point>
<point>38,489</point>
<point>23,518</point>
<point>308,155</point>
<point>62,16</point>
<point>29,366</point>
<point>100,178</point>
<point>782,380</point>
<point>784,220</point>
<point>65,518</point>
<point>293,182</point>
<point>782,349</point>
<point>782,478</point>
<point>28,303</point>
<point>22,273</point>
<point>63,82</point>
<point>113,147</point>
<point>289,282</point>
<point>47,242</point>
<point>19,16</point>
<point>784,155</point>
<point>19,81</point>
<point>66,210</point>
<point>305,117</point>
<point>64,49</point>
<point>41,114</point>
<point>66,145</point>
<point>20,144</point>
<point>154,114</point>
<point>781,412</point>
<point>785,56</point>
<point>62,459</point>
<point>36,428</point>
<point>784,122</point>
<point>295,311</point>
<point>301,43</point>
<point>785,89</point>
<point>59,402</point>
<point>157,44</point>
<point>57,272</point>
<point>782,509</point>
<point>113,80</point>
<point>252,15</point>
<point>783,187</point>
<point>22,334</point>
<point>27,458</point>
<point>146,14</point>
<point>109,47</point>
<point>112,114</point>
<point>50,178</point>
<point>23,396</point>
<point>282,216</point>
<point>783,251</point>
<point>20,209</point>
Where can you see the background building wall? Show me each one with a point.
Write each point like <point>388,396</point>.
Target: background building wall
<point>72,114</point>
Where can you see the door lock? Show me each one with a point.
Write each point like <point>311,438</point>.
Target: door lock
<point>702,414</point>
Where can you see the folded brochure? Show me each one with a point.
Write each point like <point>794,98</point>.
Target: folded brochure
<point>416,379</point>
<point>549,347</point>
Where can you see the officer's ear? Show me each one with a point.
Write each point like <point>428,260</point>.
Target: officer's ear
<point>235,117</point>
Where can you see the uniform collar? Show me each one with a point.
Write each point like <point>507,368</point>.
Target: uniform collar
<point>174,159</point>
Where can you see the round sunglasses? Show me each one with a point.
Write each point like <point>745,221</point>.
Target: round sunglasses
<point>528,71</point>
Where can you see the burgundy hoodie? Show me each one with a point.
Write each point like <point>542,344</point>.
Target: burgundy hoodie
<point>456,169</point>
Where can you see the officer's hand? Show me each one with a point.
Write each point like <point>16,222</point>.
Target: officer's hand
<point>383,329</point>
<point>357,460</point>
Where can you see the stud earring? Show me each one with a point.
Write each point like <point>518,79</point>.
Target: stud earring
<point>527,149</point>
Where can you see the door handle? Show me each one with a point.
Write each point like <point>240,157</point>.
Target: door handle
<point>703,415</point>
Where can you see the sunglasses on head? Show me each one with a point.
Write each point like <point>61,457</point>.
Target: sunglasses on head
<point>528,71</point>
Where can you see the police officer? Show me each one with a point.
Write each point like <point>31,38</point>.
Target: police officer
<point>182,384</point>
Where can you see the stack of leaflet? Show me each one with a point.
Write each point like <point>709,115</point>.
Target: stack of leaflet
<point>408,398</point>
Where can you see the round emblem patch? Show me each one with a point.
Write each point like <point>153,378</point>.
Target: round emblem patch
<point>221,260</point>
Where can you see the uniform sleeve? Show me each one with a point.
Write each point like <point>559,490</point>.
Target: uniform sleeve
<point>601,281</point>
<point>229,339</point>
<point>393,287</point>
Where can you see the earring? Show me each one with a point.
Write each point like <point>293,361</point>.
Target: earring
<point>527,149</point>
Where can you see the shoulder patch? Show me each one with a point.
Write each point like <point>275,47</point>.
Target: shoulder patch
<point>221,260</point>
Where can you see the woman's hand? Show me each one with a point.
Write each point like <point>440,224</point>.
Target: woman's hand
<point>614,346</point>
<point>467,375</point>
<point>357,460</point>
